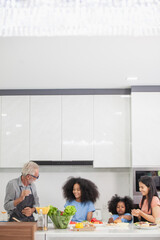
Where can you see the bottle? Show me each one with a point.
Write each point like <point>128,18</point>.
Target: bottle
<point>45,222</point>
<point>40,221</point>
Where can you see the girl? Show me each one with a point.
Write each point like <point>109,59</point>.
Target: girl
<point>81,193</point>
<point>150,203</point>
<point>120,209</point>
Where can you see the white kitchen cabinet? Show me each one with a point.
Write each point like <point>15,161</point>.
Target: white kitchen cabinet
<point>0,126</point>
<point>112,131</point>
<point>104,233</point>
<point>77,127</point>
<point>45,128</point>
<point>145,129</point>
<point>64,128</point>
<point>15,131</point>
<point>40,235</point>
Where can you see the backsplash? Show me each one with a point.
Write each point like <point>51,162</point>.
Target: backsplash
<point>49,185</point>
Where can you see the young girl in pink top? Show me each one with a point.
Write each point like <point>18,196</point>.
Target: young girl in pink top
<point>150,203</point>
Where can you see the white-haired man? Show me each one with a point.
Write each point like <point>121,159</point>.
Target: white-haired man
<point>21,196</point>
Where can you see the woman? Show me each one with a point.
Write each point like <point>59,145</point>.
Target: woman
<point>150,203</point>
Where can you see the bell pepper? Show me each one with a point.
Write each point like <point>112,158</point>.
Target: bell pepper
<point>79,225</point>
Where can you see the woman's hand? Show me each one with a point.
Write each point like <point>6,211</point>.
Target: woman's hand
<point>136,212</point>
<point>150,218</point>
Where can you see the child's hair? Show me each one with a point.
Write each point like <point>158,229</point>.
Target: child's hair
<point>148,181</point>
<point>89,191</point>
<point>112,204</point>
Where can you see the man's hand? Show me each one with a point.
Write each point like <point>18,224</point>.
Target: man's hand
<point>24,194</point>
<point>28,211</point>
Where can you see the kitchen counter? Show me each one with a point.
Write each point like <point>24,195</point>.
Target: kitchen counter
<point>101,232</point>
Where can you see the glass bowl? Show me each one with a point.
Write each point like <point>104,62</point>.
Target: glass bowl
<point>60,222</point>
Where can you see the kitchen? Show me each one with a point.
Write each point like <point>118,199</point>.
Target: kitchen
<point>99,64</point>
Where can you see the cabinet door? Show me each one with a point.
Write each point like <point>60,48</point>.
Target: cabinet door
<point>40,235</point>
<point>145,129</point>
<point>112,131</point>
<point>15,131</point>
<point>77,128</point>
<point>45,128</point>
<point>0,126</point>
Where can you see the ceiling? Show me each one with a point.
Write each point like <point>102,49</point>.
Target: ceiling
<point>79,62</point>
<point>79,43</point>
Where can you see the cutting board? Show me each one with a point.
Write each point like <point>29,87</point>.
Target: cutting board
<point>85,228</point>
<point>17,230</point>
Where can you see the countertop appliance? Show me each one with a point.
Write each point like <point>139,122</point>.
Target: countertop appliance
<point>97,214</point>
<point>137,173</point>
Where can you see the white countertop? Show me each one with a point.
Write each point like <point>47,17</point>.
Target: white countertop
<point>102,232</point>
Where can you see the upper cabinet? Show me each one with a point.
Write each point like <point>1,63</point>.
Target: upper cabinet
<point>112,131</point>
<point>45,128</point>
<point>65,128</point>
<point>145,129</point>
<point>77,127</point>
<point>0,126</point>
<point>14,131</point>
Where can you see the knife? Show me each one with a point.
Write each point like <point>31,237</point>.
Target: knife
<point>16,219</point>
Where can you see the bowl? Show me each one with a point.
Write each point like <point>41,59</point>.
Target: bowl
<point>60,222</point>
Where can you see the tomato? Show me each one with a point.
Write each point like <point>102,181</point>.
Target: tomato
<point>94,220</point>
<point>71,222</point>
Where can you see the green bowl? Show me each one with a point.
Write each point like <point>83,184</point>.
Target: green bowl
<point>60,222</point>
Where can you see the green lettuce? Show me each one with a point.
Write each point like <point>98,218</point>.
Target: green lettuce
<point>59,218</point>
<point>69,211</point>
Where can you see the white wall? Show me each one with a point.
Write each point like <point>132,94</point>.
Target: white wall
<point>49,185</point>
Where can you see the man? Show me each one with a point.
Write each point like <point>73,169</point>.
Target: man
<point>21,195</point>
